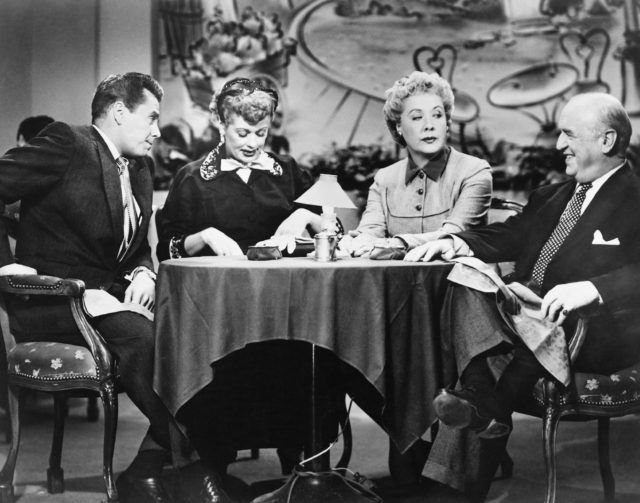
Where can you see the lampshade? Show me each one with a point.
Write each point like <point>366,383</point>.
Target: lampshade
<point>326,192</point>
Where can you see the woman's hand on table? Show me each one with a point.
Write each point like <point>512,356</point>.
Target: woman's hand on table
<point>357,244</point>
<point>296,223</point>
<point>282,241</point>
<point>218,241</point>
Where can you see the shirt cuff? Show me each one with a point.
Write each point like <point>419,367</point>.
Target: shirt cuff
<point>460,246</point>
<point>140,270</point>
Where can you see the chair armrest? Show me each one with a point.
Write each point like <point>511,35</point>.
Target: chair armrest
<point>577,339</point>
<point>37,284</point>
<point>95,342</point>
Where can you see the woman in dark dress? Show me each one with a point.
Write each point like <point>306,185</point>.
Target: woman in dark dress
<point>238,194</point>
<point>235,197</point>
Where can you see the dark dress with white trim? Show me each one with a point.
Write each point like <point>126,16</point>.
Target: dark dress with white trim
<point>260,395</point>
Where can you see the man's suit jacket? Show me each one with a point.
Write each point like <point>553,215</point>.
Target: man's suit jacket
<point>613,339</point>
<point>71,219</point>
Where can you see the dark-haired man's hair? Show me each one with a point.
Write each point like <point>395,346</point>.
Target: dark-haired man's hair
<point>128,88</point>
<point>31,126</point>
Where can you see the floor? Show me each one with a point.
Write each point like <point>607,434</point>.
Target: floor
<point>578,475</point>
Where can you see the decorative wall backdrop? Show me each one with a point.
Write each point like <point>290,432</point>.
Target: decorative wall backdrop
<point>512,64</point>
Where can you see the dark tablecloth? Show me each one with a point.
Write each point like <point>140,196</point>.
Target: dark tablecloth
<point>379,317</point>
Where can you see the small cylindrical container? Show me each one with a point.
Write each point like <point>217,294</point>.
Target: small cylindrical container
<point>325,245</point>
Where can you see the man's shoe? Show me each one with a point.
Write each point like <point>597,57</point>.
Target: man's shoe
<point>212,491</point>
<point>133,490</point>
<point>469,409</point>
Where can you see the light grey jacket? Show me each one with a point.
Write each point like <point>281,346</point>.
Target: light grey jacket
<point>458,200</point>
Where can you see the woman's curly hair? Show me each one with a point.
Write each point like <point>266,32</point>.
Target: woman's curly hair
<point>415,83</point>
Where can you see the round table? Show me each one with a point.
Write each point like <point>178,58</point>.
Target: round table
<point>382,318</point>
<point>533,85</point>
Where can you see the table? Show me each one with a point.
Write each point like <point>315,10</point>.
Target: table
<point>534,85</point>
<point>379,317</point>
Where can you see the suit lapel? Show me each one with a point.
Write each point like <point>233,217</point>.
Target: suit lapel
<point>112,189</point>
<point>604,203</point>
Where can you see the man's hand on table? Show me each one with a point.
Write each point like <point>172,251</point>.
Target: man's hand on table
<point>440,248</point>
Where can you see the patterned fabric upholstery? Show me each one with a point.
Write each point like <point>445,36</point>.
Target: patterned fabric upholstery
<point>607,390</point>
<point>51,361</point>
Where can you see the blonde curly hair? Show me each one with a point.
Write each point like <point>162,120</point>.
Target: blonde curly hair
<point>410,85</point>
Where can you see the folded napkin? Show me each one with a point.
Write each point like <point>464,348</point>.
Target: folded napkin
<point>520,308</point>
<point>99,302</point>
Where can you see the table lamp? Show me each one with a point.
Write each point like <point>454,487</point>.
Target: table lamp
<point>326,192</point>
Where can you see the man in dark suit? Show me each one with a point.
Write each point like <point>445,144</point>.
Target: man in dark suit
<point>86,203</point>
<point>576,244</point>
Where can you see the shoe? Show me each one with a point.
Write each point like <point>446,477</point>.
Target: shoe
<point>134,490</point>
<point>469,409</point>
<point>212,491</point>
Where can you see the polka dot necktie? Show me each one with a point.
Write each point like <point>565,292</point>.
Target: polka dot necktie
<point>130,216</point>
<point>567,221</point>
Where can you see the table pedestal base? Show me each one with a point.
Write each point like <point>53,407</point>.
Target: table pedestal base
<point>317,487</point>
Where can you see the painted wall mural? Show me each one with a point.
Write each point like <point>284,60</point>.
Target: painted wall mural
<point>512,64</point>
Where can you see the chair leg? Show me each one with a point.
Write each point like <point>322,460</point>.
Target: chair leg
<point>608,482</point>
<point>110,403</point>
<point>55,473</point>
<point>347,438</point>
<point>6,475</point>
<point>549,430</point>
<point>93,412</point>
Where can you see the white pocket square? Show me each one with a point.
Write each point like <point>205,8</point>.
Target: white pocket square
<point>599,240</point>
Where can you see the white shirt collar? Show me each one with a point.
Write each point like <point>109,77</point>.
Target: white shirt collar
<point>597,184</point>
<point>110,145</point>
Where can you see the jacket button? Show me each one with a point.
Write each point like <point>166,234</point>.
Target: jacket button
<point>420,191</point>
<point>421,174</point>
<point>418,207</point>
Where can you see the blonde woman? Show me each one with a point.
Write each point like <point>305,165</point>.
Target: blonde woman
<point>435,189</point>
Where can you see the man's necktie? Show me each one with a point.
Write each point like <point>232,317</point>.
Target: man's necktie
<point>567,221</point>
<point>130,215</point>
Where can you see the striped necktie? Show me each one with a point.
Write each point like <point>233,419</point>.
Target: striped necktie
<point>130,214</point>
<point>567,221</point>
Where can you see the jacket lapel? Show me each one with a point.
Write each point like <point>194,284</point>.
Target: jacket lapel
<point>604,203</point>
<point>111,182</point>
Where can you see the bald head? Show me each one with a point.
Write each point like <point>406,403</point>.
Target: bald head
<point>605,111</point>
<point>594,135</point>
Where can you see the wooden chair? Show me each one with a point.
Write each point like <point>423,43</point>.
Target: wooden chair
<point>60,369</point>
<point>588,397</point>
